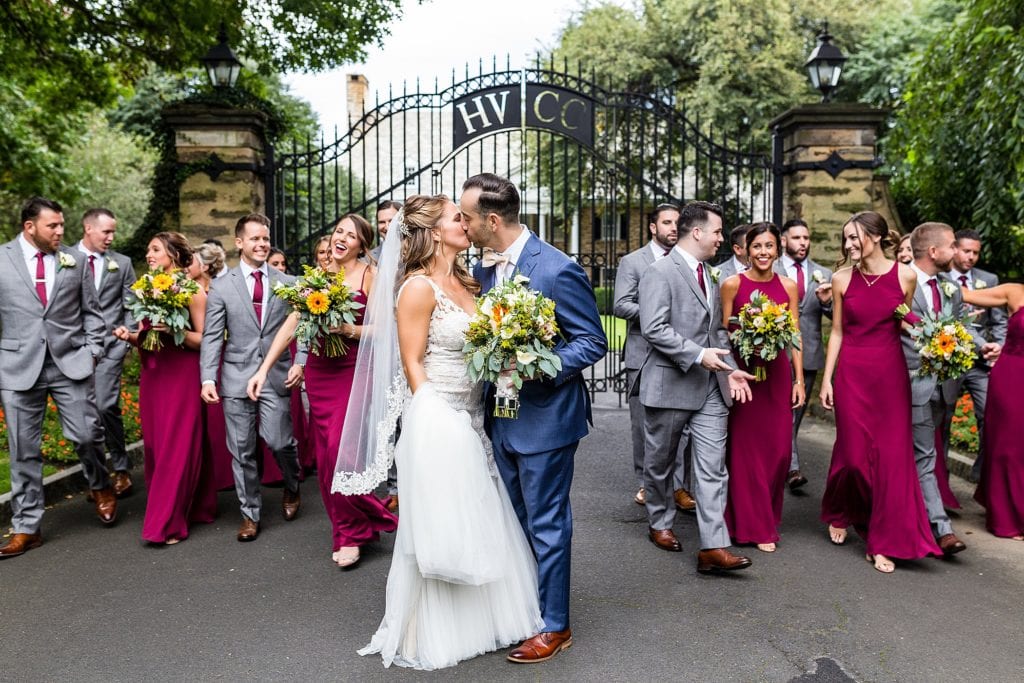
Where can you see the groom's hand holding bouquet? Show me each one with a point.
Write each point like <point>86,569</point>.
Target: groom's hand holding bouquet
<point>512,336</point>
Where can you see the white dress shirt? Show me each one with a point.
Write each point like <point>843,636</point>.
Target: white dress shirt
<point>99,263</point>
<point>739,265</point>
<point>514,251</point>
<point>658,250</point>
<point>922,282</point>
<point>49,264</point>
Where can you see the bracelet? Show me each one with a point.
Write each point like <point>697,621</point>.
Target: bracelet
<point>798,384</point>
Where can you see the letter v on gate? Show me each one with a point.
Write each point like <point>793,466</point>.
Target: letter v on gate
<point>498,110</point>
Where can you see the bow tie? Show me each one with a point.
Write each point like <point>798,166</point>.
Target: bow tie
<point>494,258</point>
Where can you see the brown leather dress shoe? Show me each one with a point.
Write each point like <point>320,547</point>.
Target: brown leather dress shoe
<point>392,503</point>
<point>684,501</point>
<point>20,544</point>
<point>665,539</point>
<point>720,560</point>
<point>541,647</point>
<point>951,545</point>
<point>795,480</point>
<point>106,505</point>
<point>248,530</point>
<point>290,502</point>
<point>122,483</point>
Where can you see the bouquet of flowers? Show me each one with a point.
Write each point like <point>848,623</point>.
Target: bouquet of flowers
<point>511,336</point>
<point>946,347</point>
<point>162,297</point>
<point>323,301</point>
<point>763,328</point>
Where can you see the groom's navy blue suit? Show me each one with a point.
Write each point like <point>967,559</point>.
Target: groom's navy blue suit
<point>534,453</point>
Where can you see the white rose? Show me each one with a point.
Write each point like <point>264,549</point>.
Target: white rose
<point>716,273</point>
<point>818,276</point>
<point>980,284</point>
<point>525,357</point>
<point>112,266</point>
<point>66,260</point>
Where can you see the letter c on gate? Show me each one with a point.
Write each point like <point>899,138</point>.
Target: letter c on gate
<point>565,112</point>
<point>536,105</point>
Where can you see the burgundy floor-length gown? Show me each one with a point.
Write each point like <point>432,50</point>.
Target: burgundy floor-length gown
<point>1001,488</point>
<point>172,431</point>
<point>355,520</point>
<point>760,439</point>
<point>872,482</point>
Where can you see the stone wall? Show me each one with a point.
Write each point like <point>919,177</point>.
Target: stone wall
<point>832,135</point>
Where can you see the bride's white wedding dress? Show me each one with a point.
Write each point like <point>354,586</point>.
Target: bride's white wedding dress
<point>463,578</point>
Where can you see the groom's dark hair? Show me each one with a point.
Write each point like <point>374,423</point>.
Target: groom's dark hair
<point>695,214</point>
<point>31,209</point>
<point>497,195</point>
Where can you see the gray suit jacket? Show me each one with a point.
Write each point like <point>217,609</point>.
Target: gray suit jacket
<point>677,322</point>
<point>70,326</point>
<point>727,267</point>
<point>115,287</point>
<point>811,311</point>
<point>992,321</point>
<point>231,328</point>
<point>922,387</point>
<point>627,305</point>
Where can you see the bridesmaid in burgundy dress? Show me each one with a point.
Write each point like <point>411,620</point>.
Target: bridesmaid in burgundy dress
<point>761,430</point>
<point>173,439</point>
<point>872,482</point>
<point>1001,487</point>
<point>355,520</point>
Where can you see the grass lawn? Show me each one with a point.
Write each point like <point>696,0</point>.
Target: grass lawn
<point>615,330</point>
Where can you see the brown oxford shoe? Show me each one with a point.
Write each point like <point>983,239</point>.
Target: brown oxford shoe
<point>951,545</point>
<point>392,503</point>
<point>720,560</point>
<point>684,501</point>
<point>20,544</point>
<point>665,539</point>
<point>541,647</point>
<point>795,480</point>
<point>249,530</point>
<point>106,505</point>
<point>290,502</point>
<point>122,483</point>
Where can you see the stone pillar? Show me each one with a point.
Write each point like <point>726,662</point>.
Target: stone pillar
<point>827,158</point>
<point>229,146</point>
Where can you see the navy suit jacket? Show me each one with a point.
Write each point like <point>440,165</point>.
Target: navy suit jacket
<point>553,412</point>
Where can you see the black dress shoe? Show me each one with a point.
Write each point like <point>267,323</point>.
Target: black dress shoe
<point>665,539</point>
<point>795,480</point>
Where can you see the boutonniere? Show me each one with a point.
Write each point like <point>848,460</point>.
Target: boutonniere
<point>520,279</point>
<point>716,274</point>
<point>980,284</point>
<point>818,276</point>
<point>66,260</point>
<point>948,288</point>
<point>112,266</point>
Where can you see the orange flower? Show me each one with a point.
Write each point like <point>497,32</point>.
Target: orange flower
<point>317,303</point>
<point>946,343</point>
<point>974,429</point>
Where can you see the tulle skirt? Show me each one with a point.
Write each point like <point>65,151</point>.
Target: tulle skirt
<point>463,579</point>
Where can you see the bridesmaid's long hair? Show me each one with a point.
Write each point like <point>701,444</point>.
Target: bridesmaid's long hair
<point>176,247</point>
<point>421,215</point>
<point>363,231</point>
<point>873,224</point>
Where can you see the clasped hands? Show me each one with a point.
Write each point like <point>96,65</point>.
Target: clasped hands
<point>739,389</point>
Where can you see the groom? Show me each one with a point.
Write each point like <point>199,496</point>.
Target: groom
<point>534,453</point>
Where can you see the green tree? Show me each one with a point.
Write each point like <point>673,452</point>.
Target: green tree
<point>957,147</point>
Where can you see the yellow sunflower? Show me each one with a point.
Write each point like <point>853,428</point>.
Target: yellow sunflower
<point>317,303</point>
<point>162,282</point>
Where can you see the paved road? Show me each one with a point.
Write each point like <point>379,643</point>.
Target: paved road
<point>97,604</point>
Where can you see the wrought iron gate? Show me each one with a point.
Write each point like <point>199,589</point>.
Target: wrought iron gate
<point>590,163</point>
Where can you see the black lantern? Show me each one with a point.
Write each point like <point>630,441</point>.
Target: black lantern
<point>222,66</point>
<point>825,65</point>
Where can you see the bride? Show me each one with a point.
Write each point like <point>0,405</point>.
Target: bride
<point>463,578</point>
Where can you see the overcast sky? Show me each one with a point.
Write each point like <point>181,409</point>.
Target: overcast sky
<point>433,38</point>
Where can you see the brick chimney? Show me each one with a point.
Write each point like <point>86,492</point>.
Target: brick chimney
<point>356,88</point>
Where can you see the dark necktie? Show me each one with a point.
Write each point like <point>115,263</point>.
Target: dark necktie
<point>963,282</point>
<point>936,296</point>
<point>700,279</point>
<point>92,266</point>
<point>41,278</point>
<point>801,284</point>
<point>257,295</point>
<point>667,249</point>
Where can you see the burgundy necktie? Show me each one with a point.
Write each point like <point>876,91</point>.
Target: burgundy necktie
<point>41,278</point>
<point>700,279</point>
<point>936,297</point>
<point>257,295</point>
<point>667,249</point>
<point>963,282</point>
<point>92,266</point>
<point>800,283</point>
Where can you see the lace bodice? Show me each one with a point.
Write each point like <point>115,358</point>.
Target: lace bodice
<point>445,363</point>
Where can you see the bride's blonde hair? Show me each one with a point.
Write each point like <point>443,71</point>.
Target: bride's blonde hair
<point>421,215</point>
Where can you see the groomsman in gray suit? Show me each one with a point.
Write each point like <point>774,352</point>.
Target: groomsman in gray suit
<point>627,280</point>
<point>242,317</point>
<point>52,337</point>
<point>737,263</point>
<point>688,379</point>
<point>991,324</point>
<point>112,275</point>
<point>933,245</point>
<point>814,290</point>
